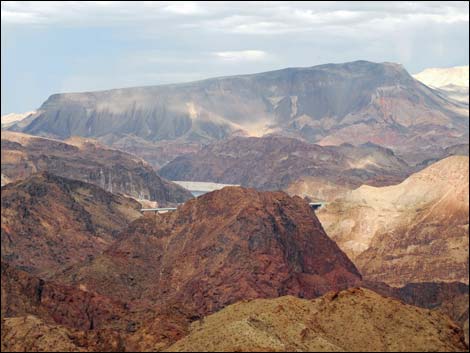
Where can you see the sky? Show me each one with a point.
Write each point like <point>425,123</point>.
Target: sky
<point>52,47</point>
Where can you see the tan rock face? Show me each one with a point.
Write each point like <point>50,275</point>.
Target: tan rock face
<point>316,189</point>
<point>449,298</point>
<point>88,161</point>
<point>31,334</point>
<point>352,320</point>
<point>416,231</point>
<point>49,222</point>
<point>225,246</point>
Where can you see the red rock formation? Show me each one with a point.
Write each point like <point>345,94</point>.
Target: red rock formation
<point>55,303</point>
<point>228,245</point>
<point>50,222</point>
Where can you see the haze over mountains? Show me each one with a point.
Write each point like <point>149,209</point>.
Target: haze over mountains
<point>451,81</point>
<point>12,118</point>
<point>384,266</point>
<point>356,102</point>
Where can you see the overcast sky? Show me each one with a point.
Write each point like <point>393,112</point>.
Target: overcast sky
<point>51,47</point>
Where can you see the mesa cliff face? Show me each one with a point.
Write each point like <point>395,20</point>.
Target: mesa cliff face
<point>353,102</point>
<point>228,245</point>
<point>86,160</point>
<point>416,231</point>
<point>50,222</point>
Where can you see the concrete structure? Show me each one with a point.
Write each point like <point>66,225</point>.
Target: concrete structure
<point>198,188</point>
<point>158,210</point>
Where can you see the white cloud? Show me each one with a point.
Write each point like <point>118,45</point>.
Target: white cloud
<point>185,8</point>
<point>232,17</point>
<point>19,17</point>
<point>241,55</point>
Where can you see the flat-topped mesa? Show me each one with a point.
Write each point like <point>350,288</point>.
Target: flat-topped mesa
<point>225,246</point>
<point>330,104</point>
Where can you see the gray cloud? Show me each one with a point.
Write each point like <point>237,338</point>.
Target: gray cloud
<point>76,46</point>
<point>239,17</point>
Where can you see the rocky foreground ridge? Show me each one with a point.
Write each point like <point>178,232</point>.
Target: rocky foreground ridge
<point>354,320</point>
<point>213,254</point>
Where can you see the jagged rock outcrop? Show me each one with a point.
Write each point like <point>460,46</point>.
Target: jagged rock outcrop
<point>50,222</point>
<point>225,246</point>
<point>37,313</point>
<point>273,163</point>
<point>416,231</point>
<point>354,102</point>
<point>25,294</point>
<point>353,320</point>
<point>89,161</point>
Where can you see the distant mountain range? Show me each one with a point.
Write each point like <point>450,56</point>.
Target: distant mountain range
<point>356,102</point>
<point>441,77</point>
<point>239,269</point>
<point>8,120</point>
<point>452,81</point>
<point>274,162</point>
